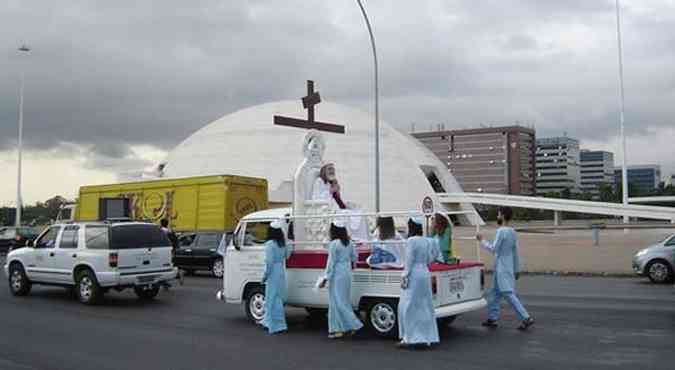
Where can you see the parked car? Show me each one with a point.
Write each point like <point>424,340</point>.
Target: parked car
<point>16,237</point>
<point>198,251</point>
<point>657,261</point>
<point>93,258</point>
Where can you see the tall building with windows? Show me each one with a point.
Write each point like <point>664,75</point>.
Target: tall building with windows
<point>645,177</point>
<point>558,165</point>
<point>597,168</point>
<point>491,159</point>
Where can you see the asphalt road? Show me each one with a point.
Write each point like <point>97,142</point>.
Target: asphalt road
<point>582,323</point>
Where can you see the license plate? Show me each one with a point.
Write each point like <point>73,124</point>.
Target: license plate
<point>456,285</point>
<point>147,279</point>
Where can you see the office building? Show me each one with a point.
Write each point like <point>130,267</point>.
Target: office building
<point>491,159</point>
<point>597,168</point>
<point>558,165</point>
<point>644,178</point>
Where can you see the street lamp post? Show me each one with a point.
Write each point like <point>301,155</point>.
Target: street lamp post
<point>19,200</point>
<point>377,111</point>
<point>624,170</point>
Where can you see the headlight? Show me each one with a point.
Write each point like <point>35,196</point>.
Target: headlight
<point>641,253</point>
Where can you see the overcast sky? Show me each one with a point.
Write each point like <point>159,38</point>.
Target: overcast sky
<point>111,86</point>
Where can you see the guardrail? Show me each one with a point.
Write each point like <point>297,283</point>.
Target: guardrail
<point>563,205</point>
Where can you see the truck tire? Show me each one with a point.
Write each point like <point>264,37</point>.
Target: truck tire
<point>447,321</point>
<point>316,313</point>
<point>382,317</point>
<point>254,304</point>
<point>146,294</point>
<point>19,285</point>
<point>659,271</point>
<point>88,291</point>
<point>218,268</point>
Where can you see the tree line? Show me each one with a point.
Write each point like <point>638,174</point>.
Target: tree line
<point>41,213</point>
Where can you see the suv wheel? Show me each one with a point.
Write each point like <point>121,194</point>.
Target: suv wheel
<point>218,268</point>
<point>382,317</point>
<point>88,291</point>
<point>18,282</point>
<point>255,304</point>
<point>659,271</point>
<point>146,293</point>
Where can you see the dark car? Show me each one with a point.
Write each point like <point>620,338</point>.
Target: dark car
<point>198,252</point>
<point>15,237</point>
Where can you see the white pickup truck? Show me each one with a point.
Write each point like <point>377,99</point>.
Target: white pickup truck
<point>456,288</point>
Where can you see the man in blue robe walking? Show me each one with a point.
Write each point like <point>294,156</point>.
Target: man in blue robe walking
<point>506,271</point>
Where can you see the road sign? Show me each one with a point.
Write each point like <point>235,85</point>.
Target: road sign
<point>428,205</point>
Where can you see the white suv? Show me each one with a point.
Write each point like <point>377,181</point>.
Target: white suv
<point>93,258</point>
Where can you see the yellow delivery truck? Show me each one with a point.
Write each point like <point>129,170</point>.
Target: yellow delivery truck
<point>204,203</point>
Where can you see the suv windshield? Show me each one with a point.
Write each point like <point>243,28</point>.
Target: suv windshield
<point>137,237</point>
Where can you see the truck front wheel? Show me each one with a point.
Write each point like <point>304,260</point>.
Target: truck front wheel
<point>382,317</point>
<point>255,304</point>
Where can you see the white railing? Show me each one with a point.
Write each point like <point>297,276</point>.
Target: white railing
<point>563,205</point>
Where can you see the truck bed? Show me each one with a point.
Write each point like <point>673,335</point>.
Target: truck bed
<point>317,259</point>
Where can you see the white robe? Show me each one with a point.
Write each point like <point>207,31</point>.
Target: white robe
<point>357,226</point>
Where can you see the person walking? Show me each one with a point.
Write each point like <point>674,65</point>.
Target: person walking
<point>341,257</point>
<point>274,278</point>
<point>416,317</point>
<point>173,238</point>
<point>505,272</point>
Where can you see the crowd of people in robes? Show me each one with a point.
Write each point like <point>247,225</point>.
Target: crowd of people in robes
<point>417,322</point>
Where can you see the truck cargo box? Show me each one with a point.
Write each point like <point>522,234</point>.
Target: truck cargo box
<point>203,203</point>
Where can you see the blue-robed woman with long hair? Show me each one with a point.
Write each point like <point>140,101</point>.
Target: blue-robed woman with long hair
<point>416,317</point>
<point>341,258</point>
<point>274,278</point>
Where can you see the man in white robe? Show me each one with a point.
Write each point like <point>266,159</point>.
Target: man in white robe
<point>327,188</point>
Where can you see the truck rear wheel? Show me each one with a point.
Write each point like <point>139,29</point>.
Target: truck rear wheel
<point>255,304</point>
<point>447,321</point>
<point>382,317</point>
<point>88,291</point>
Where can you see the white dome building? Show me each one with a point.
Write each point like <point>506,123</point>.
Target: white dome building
<point>248,143</point>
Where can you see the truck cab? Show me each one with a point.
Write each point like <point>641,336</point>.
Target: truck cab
<point>456,288</point>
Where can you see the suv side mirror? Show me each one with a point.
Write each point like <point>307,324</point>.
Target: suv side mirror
<point>30,244</point>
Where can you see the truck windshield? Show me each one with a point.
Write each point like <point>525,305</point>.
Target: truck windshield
<point>137,237</point>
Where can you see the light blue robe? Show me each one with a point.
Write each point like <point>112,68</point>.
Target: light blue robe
<point>507,265</point>
<point>416,316</point>
<point>507,262</point>
<point>274,279</point>
<point>341,317</point>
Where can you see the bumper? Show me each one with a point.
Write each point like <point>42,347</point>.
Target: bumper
<point>459,308</point>
<point>6,268</point>
<point>117,279</point>
<point>639,266</point>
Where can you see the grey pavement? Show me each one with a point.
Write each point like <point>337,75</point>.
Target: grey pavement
<point>582,323</point>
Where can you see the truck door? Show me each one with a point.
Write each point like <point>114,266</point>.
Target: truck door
<point>65,255</point>
<point>245,263</point>
<point>40,266</point>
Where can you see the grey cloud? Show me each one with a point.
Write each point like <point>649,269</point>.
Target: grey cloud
<point>114,74</point>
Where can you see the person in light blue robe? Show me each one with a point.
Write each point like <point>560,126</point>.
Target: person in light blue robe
<point>341,257</point>
<point>505,273</point>
<point>389,253</point>
<point>274,278</point>
<point>416,316</point>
